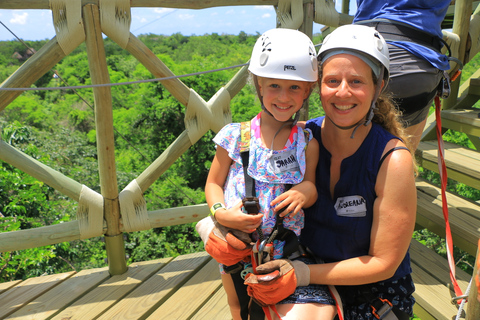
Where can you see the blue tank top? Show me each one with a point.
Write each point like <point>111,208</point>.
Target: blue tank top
<point>339,228</point>
<point>426,15</point>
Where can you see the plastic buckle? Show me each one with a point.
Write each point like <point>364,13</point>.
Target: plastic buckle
<point>384,310</point>
<point>251,204</point>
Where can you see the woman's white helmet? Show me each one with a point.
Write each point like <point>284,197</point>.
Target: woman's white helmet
<point>362,41</point>
<point>367,44</point>
<point>284,54</point>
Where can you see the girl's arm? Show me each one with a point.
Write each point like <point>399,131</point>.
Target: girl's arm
<point>233,217</point>
<point>304,194</point>
<point>393,223</point>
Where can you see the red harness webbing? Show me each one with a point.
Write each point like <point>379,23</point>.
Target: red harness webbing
<point>442,169</point>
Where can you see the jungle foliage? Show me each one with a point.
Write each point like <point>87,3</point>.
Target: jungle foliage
<point>57,128</point>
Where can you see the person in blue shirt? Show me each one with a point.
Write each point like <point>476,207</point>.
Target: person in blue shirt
<point>358,232</point>
<point>412,29</point>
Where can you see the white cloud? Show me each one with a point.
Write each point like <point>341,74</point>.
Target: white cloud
<point>186,16</point>
<point>266,15</point>
<point>19,18</point>
<point>214,14</point>
<point>231,11</point>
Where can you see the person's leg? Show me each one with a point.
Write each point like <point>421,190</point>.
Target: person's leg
<point>415,133</point>
<point>305,311</point>
<point>232,298</point>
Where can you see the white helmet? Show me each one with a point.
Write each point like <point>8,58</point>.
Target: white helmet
<point>284,54</point>
<point>362,41</point>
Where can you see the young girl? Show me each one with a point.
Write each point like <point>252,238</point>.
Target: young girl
<point>284,70</point>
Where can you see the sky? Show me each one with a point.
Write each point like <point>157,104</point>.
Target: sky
<point>37,24</point>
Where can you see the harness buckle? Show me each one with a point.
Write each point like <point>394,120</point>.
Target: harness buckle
<point>384,310</point>
<point>251,204</point>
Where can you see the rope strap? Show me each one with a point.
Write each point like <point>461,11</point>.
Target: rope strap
<point>201,116</point>
<point>290,14</point>
<point>133,208</point>
<point>326,14</point>
<point>68,24</point>
<point>90,213</point>
<point>115,18</point>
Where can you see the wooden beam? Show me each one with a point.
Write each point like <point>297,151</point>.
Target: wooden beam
<point>38,170</point>
<point>105,138</point>
<point>181,4</point>
<point>30,71</point>
<point>39,237</point>
<point>153,64</point>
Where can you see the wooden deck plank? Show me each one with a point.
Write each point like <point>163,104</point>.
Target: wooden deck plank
<point>464,226</point>
<point>4,286</point>
<point>26,291</point>
<point>462,163</point>
<point>62,295</point>
<point>110,292</point>
<point>215,309</point>
<point>436,265</point>
<point>463,120</point>
<point>155,290</point>
<point>428,291</point>
<point>459,203</point>
<point>192,295</point>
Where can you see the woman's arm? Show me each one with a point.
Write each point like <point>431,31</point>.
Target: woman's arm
<point>233,217</point>
<point>393,224</point>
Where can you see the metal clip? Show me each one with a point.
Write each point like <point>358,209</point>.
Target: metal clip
<point>444,86</point>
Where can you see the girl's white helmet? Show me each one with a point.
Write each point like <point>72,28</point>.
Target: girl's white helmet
<point>284,54</point>
<point>363,41</point>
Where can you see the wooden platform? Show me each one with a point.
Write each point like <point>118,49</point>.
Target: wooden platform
<point>187,287</point>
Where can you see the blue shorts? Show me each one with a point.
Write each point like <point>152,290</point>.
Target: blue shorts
<point>314,293</point>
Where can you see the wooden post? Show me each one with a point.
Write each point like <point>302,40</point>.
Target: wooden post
<point>105,139</point>
<point>307,28</point>
<point>461,25</point>
<point>345,6</point>
<point>473,305</point>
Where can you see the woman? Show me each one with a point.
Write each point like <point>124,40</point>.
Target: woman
<point>363,220</point>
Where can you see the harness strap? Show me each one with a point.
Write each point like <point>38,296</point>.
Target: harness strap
<point>248,307</point>
<point>395,31</point>
<point>443,177</point>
